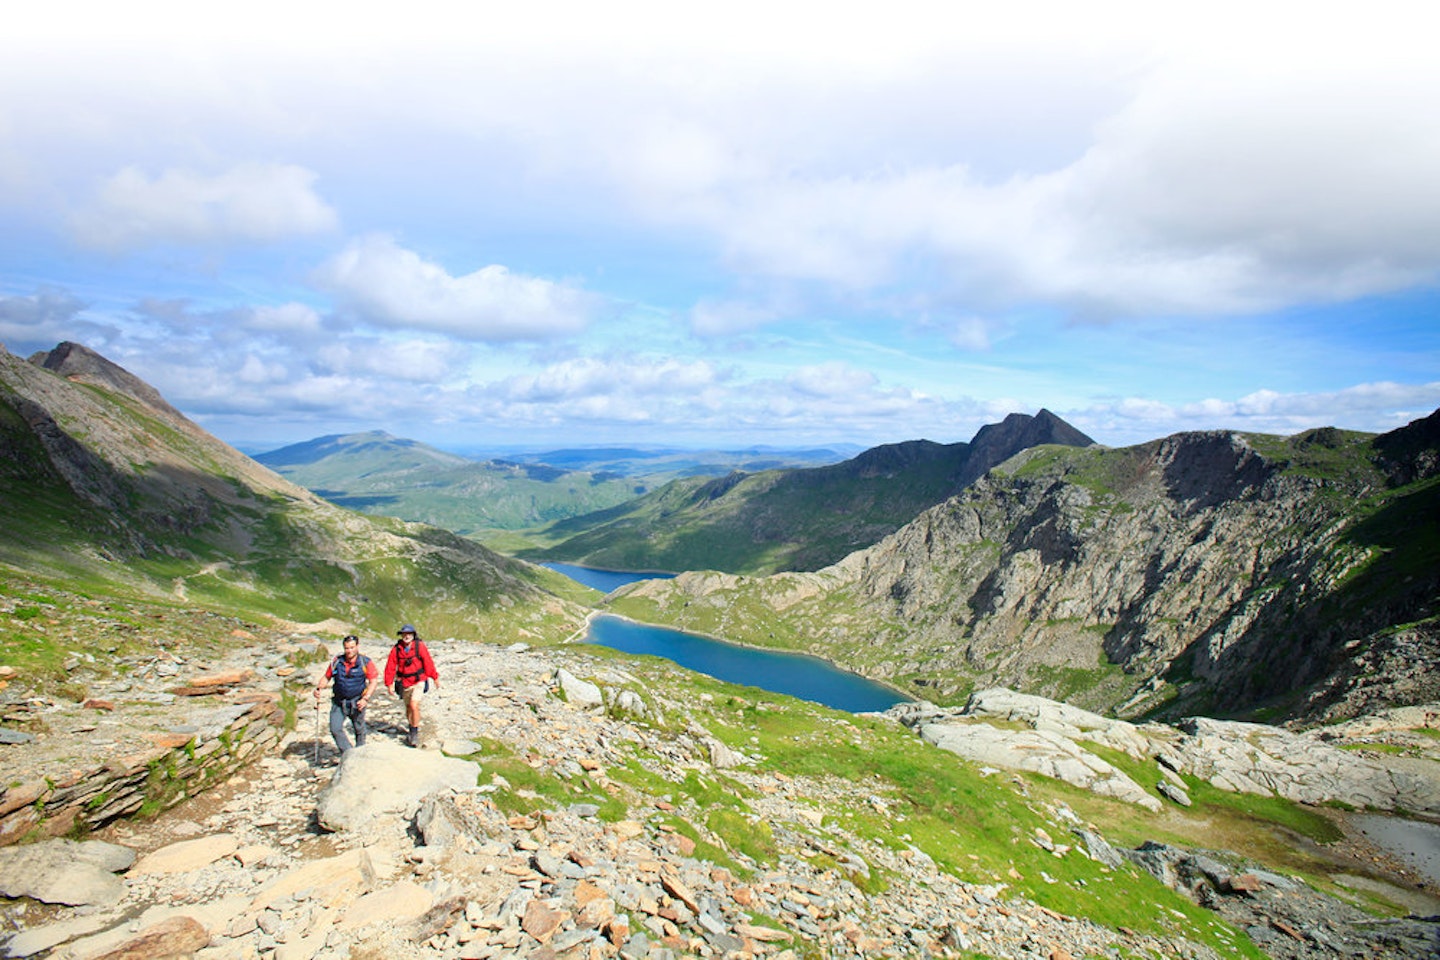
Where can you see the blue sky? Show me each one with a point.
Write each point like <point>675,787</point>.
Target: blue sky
<point>734,224</point>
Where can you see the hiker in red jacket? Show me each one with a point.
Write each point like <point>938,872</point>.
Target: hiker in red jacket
<point>410,672</point>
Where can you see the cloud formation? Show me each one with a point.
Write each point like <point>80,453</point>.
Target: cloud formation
<point>384,284</point>
<point>248,203</point>
<point>744,220</point>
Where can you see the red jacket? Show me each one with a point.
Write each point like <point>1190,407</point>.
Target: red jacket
<point>410,664</point>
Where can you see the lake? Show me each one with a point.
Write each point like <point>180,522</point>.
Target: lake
<point>798,675</point>
<point>604,580</point>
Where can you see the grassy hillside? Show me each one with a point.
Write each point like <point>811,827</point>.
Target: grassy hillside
<point>110,495</point>
<point>764,522</point>
<point>776,520</point>
<point>383,475</point>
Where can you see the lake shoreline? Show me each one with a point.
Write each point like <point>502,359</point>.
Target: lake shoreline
<point>590,617</point>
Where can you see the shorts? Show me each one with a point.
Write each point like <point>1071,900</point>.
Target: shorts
<point>413,692</point>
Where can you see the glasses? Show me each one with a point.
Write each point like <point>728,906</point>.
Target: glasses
<point>349,638</point>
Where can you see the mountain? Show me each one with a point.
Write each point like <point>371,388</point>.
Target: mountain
<point>659,464</point>
<point>103,483</point>
<point>1213,573</point>
<point>793,519</point>
<point>377,473</point>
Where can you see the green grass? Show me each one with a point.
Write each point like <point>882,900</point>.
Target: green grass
<point>903,794</point>
<point>530,788</point>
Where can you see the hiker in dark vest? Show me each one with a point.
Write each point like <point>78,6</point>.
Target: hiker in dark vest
<point>410,672</point>
<point>353,677</point>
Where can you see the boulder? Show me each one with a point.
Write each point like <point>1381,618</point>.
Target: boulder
<point>401,902</point>
<point>35,940</point>
<point>382,777</point>
<point>581,693</point>
<point>71,872</point>
<point>330,881</point>
<point>176,937</point>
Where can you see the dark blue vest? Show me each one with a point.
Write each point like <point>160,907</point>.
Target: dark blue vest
<point>349,684</point>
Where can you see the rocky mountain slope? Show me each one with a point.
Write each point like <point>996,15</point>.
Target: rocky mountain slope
<point>570,803</point>
<point>104,484</point>
<point>1202,573</point>
<point>380,474</point>
<point>793,519</point>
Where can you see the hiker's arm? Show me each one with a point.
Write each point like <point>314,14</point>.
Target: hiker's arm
<point>321,685</point>
<point>373,677</point>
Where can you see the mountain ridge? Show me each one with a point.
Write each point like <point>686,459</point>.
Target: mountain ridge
<point>800,519</point>
<point>101,482</point>
<point>1204,571</point>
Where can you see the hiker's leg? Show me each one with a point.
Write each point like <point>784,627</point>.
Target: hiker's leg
<point>337,726</point>
<point>413,695</point>
<point>357,719</point>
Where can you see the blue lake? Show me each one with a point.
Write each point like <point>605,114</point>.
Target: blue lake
<point>808,678</point>
<point>603,580</point>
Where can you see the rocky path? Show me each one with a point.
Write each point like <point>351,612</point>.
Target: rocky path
<point>411,853</point>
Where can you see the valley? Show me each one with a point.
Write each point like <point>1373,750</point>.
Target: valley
<point>165,601</point>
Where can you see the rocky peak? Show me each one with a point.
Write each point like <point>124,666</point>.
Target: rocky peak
<point>995,443</point>
<point>76,362</point>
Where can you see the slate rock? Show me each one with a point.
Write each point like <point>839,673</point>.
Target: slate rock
<point>70,872</point>
<point>381,777</point>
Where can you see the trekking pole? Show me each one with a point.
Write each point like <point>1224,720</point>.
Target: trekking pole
<point>317,733</point>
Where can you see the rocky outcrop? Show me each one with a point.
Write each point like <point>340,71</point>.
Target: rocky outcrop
<point>1231,756</point>
<point>173,767</point>
<point>459,872</point>
<point>1206,572</point>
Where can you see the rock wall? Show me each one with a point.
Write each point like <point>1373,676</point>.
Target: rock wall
<point>179,766</point>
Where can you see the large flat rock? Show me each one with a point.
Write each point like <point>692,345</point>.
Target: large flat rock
<point>384,777</point>
<point>70,872</point>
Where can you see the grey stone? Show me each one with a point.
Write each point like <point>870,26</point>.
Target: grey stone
<point>1172,792</point>
<point>71,872</point>
<point>381,777</point>
<point>581,693</point>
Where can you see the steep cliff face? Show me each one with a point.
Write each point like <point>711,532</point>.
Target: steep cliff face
<point>1207,571</point>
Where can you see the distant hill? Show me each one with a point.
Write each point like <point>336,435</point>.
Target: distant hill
<point>659,464</point>
<point>105,485</point>
<point>380,474</point>
<point>792,519</point>
<point>1207,573</point>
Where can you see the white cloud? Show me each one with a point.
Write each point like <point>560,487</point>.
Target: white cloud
<point>252,203</point>
<point>832,379</point>
<point>45,310</point>
<point>589,377</point>
<point>1373,407</point>
<point>288,318</point>
<point>382,283</point>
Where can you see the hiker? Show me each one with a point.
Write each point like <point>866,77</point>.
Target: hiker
<point>354,678</point>
<point>409,671</point>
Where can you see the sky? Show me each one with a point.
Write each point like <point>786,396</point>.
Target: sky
<point>781,224</point>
